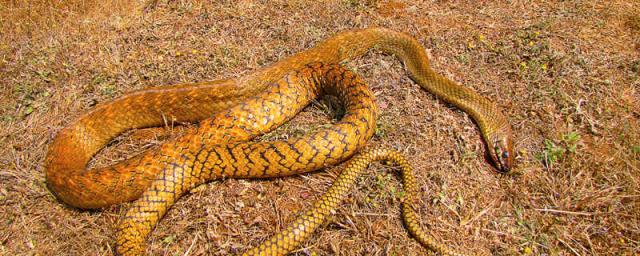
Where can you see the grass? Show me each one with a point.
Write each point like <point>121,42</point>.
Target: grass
<point>565,72</point>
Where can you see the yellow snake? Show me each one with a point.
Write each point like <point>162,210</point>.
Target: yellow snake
<point>232,112</point>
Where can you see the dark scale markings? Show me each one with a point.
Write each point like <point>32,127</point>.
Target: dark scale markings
<point>198,164</point>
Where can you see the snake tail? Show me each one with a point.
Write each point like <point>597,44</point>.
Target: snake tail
<point>304,226</point>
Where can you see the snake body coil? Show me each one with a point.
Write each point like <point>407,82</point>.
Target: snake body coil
<point>233,112</point>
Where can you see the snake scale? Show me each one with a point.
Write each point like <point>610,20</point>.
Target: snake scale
<point>233,111</point>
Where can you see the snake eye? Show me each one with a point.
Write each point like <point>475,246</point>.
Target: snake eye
<point>505,154</point>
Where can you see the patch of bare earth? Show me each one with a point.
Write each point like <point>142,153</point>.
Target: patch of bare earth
<point>566,72</point>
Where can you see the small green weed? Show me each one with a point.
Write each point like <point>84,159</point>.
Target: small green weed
<point>554,152</point>
<point>571,141</point>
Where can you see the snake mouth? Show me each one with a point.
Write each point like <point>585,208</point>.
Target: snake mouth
<point>500,152</point>
<point>497,164</point>
<point>504,163</point>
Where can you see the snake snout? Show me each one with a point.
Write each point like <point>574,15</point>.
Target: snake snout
<point>502,154</point>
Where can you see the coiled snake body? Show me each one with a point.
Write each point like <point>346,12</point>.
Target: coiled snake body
<point>236,110</point>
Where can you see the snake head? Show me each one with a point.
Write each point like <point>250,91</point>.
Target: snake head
<point>501,150</point>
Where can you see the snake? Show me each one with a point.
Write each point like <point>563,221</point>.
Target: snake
<point>231,113</point>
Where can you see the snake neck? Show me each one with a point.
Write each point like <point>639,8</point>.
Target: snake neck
<point>349,45</point>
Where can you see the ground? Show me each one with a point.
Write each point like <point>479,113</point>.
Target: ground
<point>566,73</point>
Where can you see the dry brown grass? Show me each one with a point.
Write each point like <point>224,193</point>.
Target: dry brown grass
<point>567,73</point>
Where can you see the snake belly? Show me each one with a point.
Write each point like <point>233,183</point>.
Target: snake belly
<point>235,111</point>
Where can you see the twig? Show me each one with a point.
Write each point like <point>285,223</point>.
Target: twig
<point>565,212</point>
<point>372,214</point>
<point>512,236</point>
<point>192,244</point>
<point>480,214</point>
<point>570,248</point>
